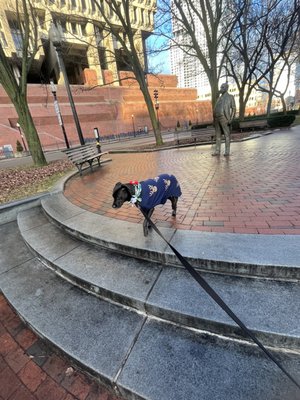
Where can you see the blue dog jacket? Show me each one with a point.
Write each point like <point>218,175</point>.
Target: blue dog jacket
<point>157,191</point>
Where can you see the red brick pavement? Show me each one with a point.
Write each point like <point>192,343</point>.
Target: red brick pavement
<point>256,190</point>
<point>30,370</point>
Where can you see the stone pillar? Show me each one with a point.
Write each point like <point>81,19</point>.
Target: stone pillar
<point>139,45</point>
<point>92,53</point>
<point>108,43</point>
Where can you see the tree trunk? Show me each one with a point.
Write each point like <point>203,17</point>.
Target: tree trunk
<point>269,105</point>
<point>30,132</point>
<point>214,94</point>
<point>151,111</point>
<point>242,105</point>
<point>283,104</point>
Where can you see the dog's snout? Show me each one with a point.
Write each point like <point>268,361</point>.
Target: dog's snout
<point>114,206</point>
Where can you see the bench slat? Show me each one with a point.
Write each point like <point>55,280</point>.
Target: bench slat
<point>263,123</point>
<point>85,154</point>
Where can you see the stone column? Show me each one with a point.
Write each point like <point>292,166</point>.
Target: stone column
<point>111,61</point>
<point>92,53</point>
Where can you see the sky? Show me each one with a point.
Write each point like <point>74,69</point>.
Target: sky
<point>160,63</point>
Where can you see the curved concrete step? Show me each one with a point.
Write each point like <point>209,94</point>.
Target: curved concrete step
<point>270,256</point>
<point>140,357</point>
<point>270,308</point>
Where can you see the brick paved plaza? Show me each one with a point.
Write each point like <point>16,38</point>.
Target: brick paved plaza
<point>30,370</point>
<point>256,190</point>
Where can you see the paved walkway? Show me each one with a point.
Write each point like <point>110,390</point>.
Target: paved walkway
<point>256,190</point>
<point>30,370</point>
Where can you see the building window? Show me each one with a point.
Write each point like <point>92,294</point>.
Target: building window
<point>115,42</point>
<point>102,57</point>
<point>143,19</point>
<point>16,35</point>
<point>41,21</point>
<point>62,3</point>
<point>63,25</point>
<point>74,5</point>
<point>122,61</point>
<point>134,14</point>
<point>98,34</point>
<point>83,29</point>
<point>83,4</point>
<point>74,28</point>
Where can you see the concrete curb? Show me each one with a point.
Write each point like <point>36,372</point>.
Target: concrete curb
<point>269,256</point>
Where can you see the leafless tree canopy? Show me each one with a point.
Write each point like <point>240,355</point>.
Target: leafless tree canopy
<point>242,40</point>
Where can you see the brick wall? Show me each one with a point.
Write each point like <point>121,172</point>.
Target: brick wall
<point>155,81</point>
<point>109,108</point>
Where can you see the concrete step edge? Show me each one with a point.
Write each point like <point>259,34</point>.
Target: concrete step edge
<point>223,253</point>
<point>160,361</point>
<point>152,306</point>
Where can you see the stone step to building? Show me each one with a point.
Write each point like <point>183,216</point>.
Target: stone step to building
<point>268,256</point>
<point>269,308</point>
<point>142,358</point>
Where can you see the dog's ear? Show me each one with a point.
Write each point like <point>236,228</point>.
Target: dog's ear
<point>117,187</point>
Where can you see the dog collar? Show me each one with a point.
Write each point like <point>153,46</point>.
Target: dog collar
<point>137,193</point>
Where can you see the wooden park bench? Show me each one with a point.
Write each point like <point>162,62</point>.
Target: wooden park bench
<point>254,124</point>
<point>85,154</point>
<point>205,134</point>
<point>208,131</point>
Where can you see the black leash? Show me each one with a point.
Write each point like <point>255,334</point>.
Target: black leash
<point>214,295</point>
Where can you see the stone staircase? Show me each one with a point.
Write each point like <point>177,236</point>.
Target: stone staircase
<point>122,308</point>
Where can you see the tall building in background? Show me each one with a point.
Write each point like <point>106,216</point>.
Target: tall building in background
<point>186,67</point>
<point>90,52</point>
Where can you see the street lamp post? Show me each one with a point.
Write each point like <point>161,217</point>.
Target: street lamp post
<point>55,38</point>
<point>58,113</point>
<point>21,134</point>
<point>133,126</point>
<point>155,93</point>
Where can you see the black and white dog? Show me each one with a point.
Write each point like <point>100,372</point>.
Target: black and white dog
<point>148,194</point>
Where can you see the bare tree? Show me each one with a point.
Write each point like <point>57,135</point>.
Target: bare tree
<point>246,49</point>
<point>281,49</point>
<point>272,85</point>
<point>255,45</point>
<point>16,87</point>
<point>201,29</point>
<point>131,46</point>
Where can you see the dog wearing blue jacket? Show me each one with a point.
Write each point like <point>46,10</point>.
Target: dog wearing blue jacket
<point>148,194</point>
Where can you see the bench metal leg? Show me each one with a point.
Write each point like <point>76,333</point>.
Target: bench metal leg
<point>79,167</point>
<point>91,164</point>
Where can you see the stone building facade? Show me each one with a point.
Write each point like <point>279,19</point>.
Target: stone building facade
<point>91,53</point>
